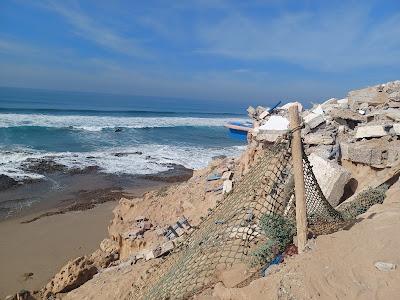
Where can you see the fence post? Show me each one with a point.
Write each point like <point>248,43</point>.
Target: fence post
<point>297,157</point>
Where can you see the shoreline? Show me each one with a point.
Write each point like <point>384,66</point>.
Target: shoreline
<point>41,239</point>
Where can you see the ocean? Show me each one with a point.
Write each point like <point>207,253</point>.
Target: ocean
<point>117,134</point>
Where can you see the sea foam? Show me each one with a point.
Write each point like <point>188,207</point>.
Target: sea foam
<point>97,123</point>
<point>141,159</point>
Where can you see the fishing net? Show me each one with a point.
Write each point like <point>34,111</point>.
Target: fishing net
<point>231,233</point>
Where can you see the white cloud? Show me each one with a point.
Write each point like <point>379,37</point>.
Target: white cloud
<point>92,30</point>
<point>333,40</point>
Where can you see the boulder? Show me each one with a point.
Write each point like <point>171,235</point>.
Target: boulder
<point>109,246</point>
<point>7,182</point>
<point>72,275</point>
<point>331,178</point>
<point>378,153</point>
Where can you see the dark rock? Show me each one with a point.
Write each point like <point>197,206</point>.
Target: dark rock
<point>118,130</point>
<point>43,166</point>
<point>122,154</point>
<point>89,169</point>
<point>177,173</point>
<point>218,157</point>
<point>7,182</point>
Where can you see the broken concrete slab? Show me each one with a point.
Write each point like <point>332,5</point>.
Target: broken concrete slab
<point>378,153</point>
<point>269,135</point>
<point>227,175</point>
<point>346,114</point>
<point>287,105</point>
<point>385,266</point>
<point>313,120</point>
<point>396,128</point>
<point>371,95</point>
<point>318,139</point>
<point>227,186</point>
<point>371,131</point>
<point>275,123</point>
<point>331,178</point>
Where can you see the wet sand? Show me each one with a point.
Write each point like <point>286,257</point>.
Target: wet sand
<point>64,224</point>
<point>44,246</point>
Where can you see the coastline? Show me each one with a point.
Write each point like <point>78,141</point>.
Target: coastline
<point>42,238</point>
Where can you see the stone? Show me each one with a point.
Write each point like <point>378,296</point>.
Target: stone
<point>183,221</point>
<point>369,95</point>
<point>149,255</point>
<point>227,175</point>
<point>318,139</point>
<point>331,178</point>
<point>313,120</point>
<point>109,246</point>
<point>275,123</point>
<point>251,111</point>
<point>288,105</point>
<point>393,114</point>
<point>371,131</point>
<point>385,266</point>
<point>396,128</point>
<point>346,114</point>
<point>378,153</point>
<point>260,110</point>
<point>264,114</point>
<point>269,135</point>
<point>24,295</point>
<point>227,187</point>
<point>72,275</point>
<point>393,90</point>
<point>167,247</point>
<point>343,101</point>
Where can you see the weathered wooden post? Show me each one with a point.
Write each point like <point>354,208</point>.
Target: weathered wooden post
<point>297,157</point>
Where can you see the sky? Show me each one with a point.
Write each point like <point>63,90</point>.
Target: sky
<point>260,51</point>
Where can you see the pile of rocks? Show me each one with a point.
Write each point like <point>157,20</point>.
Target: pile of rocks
<point>363,128</point>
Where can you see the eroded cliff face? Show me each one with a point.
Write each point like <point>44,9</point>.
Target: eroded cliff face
<point>127,249</point>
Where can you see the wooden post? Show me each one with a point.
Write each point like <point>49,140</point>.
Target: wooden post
<point>297,157</point>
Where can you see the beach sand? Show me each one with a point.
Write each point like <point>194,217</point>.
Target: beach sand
<point>44,246</point>
<point>66,224</point>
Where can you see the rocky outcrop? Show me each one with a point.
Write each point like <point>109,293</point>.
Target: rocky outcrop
<point>7,182</point>
<point>77,272</point>
<point>71,276</point>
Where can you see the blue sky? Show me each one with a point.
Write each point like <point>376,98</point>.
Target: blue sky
<point>203,49</point>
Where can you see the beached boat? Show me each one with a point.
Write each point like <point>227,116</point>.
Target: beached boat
<point>239,130</point>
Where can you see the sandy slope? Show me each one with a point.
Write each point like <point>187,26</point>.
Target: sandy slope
<point>45,245</point>
<point>340,265</point>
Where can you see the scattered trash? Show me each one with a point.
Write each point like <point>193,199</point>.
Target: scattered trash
<point>385,266</point>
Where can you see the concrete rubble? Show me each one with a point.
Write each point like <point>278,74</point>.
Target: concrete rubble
<point>361,129</point>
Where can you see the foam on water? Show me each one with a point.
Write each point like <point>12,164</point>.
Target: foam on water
<point>97,123</point>
<point>154,158</point>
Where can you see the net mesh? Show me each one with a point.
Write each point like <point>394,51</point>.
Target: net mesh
<point>232,231</point>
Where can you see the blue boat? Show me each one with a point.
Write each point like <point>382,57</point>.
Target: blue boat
<point>239,130</point>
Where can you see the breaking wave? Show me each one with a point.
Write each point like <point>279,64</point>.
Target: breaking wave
<point>141,159</point>
<point>98,123</point>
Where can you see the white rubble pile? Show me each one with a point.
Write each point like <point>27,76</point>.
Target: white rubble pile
<point>363,128</point>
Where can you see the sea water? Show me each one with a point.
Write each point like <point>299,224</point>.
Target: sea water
<point>119,134</point>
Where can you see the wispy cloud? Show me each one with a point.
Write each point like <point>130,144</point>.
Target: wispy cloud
<point>90,29</point>
<point>332,40</point>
